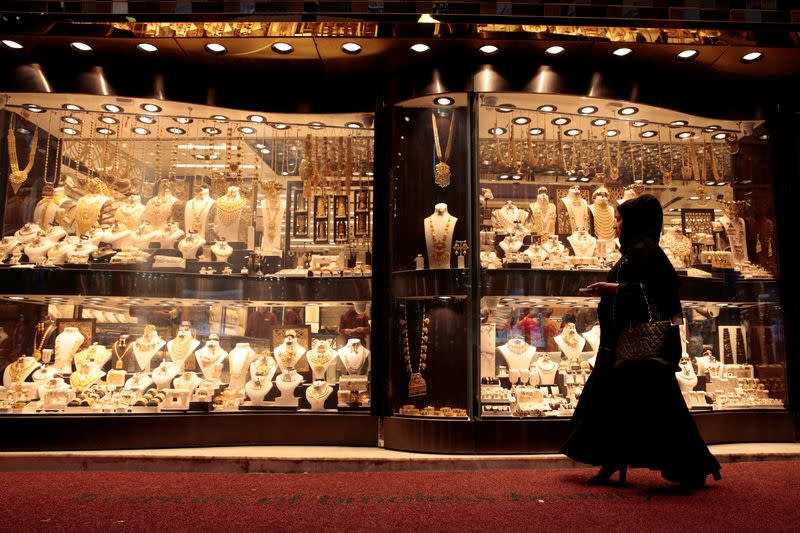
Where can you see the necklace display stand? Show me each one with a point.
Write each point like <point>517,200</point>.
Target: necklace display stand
<point>439,230</point>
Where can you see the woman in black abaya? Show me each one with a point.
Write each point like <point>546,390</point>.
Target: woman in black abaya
<point>632,414</point>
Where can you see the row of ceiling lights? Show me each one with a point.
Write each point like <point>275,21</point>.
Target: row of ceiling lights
<point>350,47</point>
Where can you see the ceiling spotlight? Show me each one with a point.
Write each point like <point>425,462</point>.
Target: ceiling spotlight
<point>80,47</point>
<point>752,57</point>
<point>112,108</point>
<point>219,118</point>
<point>628,111</point>
<point>521,121</point>
<point>176,130</point>
<point>211,130</point>
<point>600,122</point>
<point>33,108</point>
<point>649,181</point>
<point>684,135</point>
<point>572,132</point>
<point>316,125</point>
<point>108,120</point>
<point>147,48</point>
<point>72,107</point>
<point>213,157</point>
<point>151,108</point>
<point>420,48</point>
<point>678,123</point>
<point>256,118</point>
<point>612,133</point>
<point>260,145</point>
<point>145,119</point>
<point>639,123</point>
<point>497,131</point>
<point>505,108</point>
<point>536,131</point>
<point>354,125</point>
<point>216,49</point>
<point>105,131</point>
<point>69,131</point>
<point>282,48</point>
<point>622,52</point>
<point>351,48</point>
<point>183,120</point>
<point>488,49</point>
<point>555,50</point>
<point>443,100</point>
<point>280,126</point>
<point>719,136</point>
<point>247,130</point>
<point>71,120</point>
<point>547,108</point>
<point>584,179</point>
<point>560,121</point>
<point>587,110</point>
<point>712,127</point>
<point>14,45</point>
<point>141,131</point>
<point>687,54</point>
<point>649,133</point>
<point>23,131</point>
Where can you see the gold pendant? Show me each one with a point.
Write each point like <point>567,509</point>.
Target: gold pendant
<point>37,354</point>
<point>614,173</point>
<point>417,385</point>
<point>442,174</point>
<point>601,177</point>
<point>686,172</point>
<point>17,178</point>
<point>667,175</point>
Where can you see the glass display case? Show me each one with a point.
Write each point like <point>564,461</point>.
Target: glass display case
<point>552,169</point>
<point>161,258</point>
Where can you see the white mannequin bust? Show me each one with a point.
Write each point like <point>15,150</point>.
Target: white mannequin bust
<point>289,352</point>
<point>118,237</point>
<point>317,393</point>
<point>543,214</point>
<point>263,366</point>
<point>687,379</point>
<point>569,342</point>
<point>66,346</point>
<point>547,370</point>
<point>504,218</point>
<point>129,213</point>
<point>537,254</point>
<point>18,371</point>
<point>439,230</point>
<point>320,357</point>
<point>210,355</point>
<point>28,232</point>
<point>354,355</point>
<point>627,194</point>
<point>229,210</point>
<point>592,336</point>
<point>158,210</point>
<point>170,234</point>
<point>272,209</point>
<point>583,244</point>
<point>81,251</point>
<point>145,235</point>
<point>197,211</point>
<point>37,249</point>
<point>603,215</point>
<point>577,209</point>
<point>287,382</point>
<point>221,250</point>
<point>139,381</point>
<point>56,233</point>
<point>190,245</point>
<point>238,363</point>
<point>58,253</point>
<point>164,373</point>
<point>554,247</point>
<point>181,347</point>
<point>257,388</point>
<point>511,244</point>
<point>517,353</point>
<point>85,376</point>
<point>146,347</point>
<point>186,381</point>
<point>736,234</point>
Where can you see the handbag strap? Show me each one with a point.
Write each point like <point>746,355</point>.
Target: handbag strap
<point>647,303</point>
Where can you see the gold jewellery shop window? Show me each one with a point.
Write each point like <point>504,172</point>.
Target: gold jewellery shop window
<point>165,258</point>
<point>429,228</point>
<point>553,170</point>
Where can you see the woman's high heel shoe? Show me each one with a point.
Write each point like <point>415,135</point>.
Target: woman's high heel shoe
<point>603,477</point>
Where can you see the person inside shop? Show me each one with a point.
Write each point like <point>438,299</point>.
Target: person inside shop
<point>260,323</point>
<point>631,412</point>
<point>539,329</point>
<point>354,323</point>
<point>292,316</point>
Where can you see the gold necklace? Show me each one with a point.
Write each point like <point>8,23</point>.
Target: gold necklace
<point>181,346</point>
<point>666,173</point>
<point>272,199</point>
<point>317,393</point>
<point>604,222</point>
<point>440,248</point>
<point>88,212</point>
<point>80,381</point>
<point>442,169</point>
<point>517,348</point>
<point>416,383</point>
<point>238,372</point>
<point>197,222</point>
<point>45,334</point>
<point>264,365</point>
<point>115,348</point>
<point>20,369</point>
<point>16,176</point>
<point>229,208</point>
<point>157,210</point>
<point>288,354</point>
<point>570,338</point>
<point>306,169</point>
<point>319,359</point>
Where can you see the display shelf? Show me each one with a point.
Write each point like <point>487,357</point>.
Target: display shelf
<point>138,284</point>
<point>452,282</point>
<point>723,287</point>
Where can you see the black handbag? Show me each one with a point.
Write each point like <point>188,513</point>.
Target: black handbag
<point>654,339</point>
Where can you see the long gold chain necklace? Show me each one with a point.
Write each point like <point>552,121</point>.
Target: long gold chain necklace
<point>442,169</point>
<point>348,165</point>
<point>306,169</point>
<point>18,176</point>
<point>440,249</point>
<point>698,171</point>
<point>531,153</point>
<point>666,173</point>
<point>716,170</point>
<point>604,222</point>
<point>45,334</point>
<point>316,392</point>
<point>181,346</point>
<point>686,164</point>
<point>120,357</point>
<point>416,383</point>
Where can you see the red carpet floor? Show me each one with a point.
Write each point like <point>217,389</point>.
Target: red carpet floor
<point>750,497</point>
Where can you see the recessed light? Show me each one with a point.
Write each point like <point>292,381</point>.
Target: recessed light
<point>14,45</point>
<point>497,131</point>
<point>213,157</point>
<point>200,157</point>
<point>216,49</point>
<point>80,47</point>
<point>144,119</point>
<point>282,48</point>
<point>16,297</point>
<point>260,145</point>
<point>443,100</point>
<point>488,49</point>
<point>256,118</point>
<point>33,108</point>
<point>649,181</point>
<point>712,127</point>
<point>752,57</point>
<point>147,48</point>
<point>69,131</point>
<point>247,130</point>
<point>23,131</point>
<point>612,133</point>
<point>687,54</point>
<point>649,133</point>
<point>711,182</point>
<point>105,131</point>
<point>503,176</point>
<point>763,137</point>
<point>622,52</point>
<point>521,121</point>
<point>151,108</point>
<point>536,131</point>
<point>420,48</point>
<point>141,131</point>
<point>560,121</point>
<point>572,132</point>
<point>587,110</point>
<point>719,136</point>
<point>505,108</point>
<point>219,118</point>
<point>72,107</point>
<point>176,130</point>
<point>555,50</point>
<point>583,179</point>
<point>265,150</point>
<point>108,120</point>
<point>572,178</point>
<point>684,135</point>
<point>678,123</point>
<point>316,125</point>
<point>639,124</point>
<point>600,122</point>
<point>211,130</point>
<point>547,108</point>
<point>354,125</point>
<point>112,108</point>
<point>71,120</point>
<point>280,126</point>
<point>183,120</point>
<point>628,111</point>
<point>351,48</point>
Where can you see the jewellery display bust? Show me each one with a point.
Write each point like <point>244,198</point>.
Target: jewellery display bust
<point>197,212</point>
<point>263,366</point>
<point>542,214</point>
<point>593,338</point>
<point>37,249</point>
<point>164,373</point>
<point>320,357</point>
<point>735,231</point>
<point>577,209</point>
<point>181,347</point>
<point>257,388</point>
<point>56,233</point>
<point>506,217</point>
<point>569,342</point>
<point>317,393</point>
<point>272,210</point>
<point>229,211</point>
<point>511,244</point>
<point>354,356</point>
<point>146,347</point>
<point>547,370</point>
<point>186,381</point>
<point>238,363</point>
<point>158,209</point>
<point>89,210</point>
<point>687,379</point>
<point>67,344</point>
<point>145,235</point>
<point>537,254</point>
<point>583,244</point>
<point>677,244</point>
<point>28,232</point>
<point>554,247</point>
<point>58,253</point>
<point>119,237</point>
<point>289,352</point>
<point>18,371</point>
<point>129,213</point>
<point>210,355</point>
<point>517,353</point>
<point>222,250</point>
<point>287,382</point>
<point>139,381</point>
<point>85,376</point>
<point>603,223</point>
<point>190,245</point>
<point>170,234</point>
<point>439,230</point>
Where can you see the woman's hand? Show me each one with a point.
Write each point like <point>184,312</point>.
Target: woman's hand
<point>600,289</point>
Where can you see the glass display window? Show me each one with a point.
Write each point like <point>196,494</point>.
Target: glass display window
<point>165,258</point>
<point>552,170</point>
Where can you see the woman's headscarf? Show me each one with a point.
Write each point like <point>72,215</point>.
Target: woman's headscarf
<point>642,218</point>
